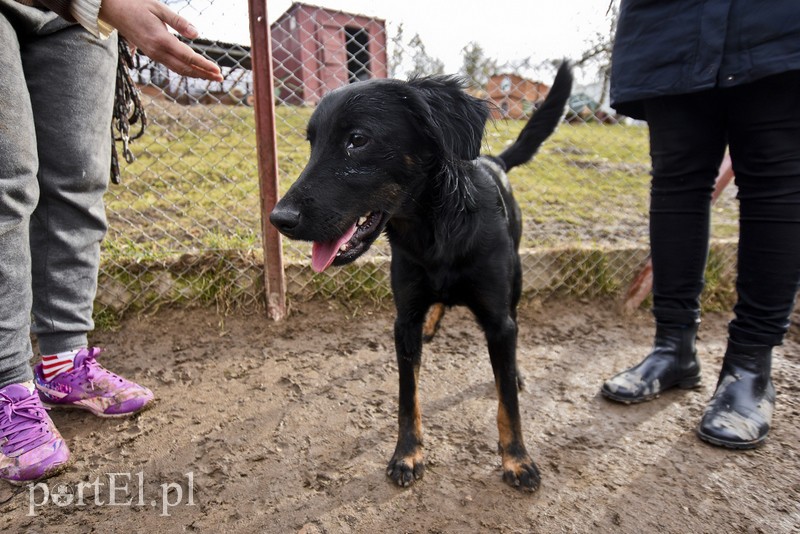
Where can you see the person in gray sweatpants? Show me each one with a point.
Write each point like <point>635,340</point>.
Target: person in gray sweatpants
<point>55,154</point>
<point>56,101</point>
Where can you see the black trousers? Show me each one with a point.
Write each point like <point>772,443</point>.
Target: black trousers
<point>760,123</point>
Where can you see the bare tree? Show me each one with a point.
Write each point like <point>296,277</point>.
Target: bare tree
<point>410,58</point>
<point>477,68</point>
<point>599,52</point>
<point>398,47</point>
<point>423,64</point>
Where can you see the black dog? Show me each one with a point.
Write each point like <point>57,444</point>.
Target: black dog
<point>404,157</point>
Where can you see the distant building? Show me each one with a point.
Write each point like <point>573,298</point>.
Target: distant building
<point>515,97</point>
<point>316,50</point>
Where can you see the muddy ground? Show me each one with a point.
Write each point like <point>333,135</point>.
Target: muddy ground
<point>264,427</point>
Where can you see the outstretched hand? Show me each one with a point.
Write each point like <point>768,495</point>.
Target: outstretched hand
<point>144,24</point>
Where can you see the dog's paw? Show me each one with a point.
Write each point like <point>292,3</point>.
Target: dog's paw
<point>404,470</point>
<point>521,473</point>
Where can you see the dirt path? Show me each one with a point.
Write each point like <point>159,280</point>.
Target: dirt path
<point>288,427</point>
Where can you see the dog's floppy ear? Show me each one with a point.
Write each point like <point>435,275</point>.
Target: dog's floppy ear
<point>453,121</point>
<point>451,118</point>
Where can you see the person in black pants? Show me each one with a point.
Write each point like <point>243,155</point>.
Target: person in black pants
<point>706,76</point>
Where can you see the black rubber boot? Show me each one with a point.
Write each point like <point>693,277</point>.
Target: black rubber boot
<point>672,363</point>
<point>739,414</point>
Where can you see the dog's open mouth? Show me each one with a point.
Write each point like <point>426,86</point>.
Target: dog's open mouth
<point>350,245</point>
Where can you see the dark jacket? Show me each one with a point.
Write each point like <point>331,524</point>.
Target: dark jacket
<point>670,47</point>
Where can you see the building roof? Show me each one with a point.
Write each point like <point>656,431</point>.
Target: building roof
<point>233,55</point>
<point>223,54</point>
<point>299,5</point>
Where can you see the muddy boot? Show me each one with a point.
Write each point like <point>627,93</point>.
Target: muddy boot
<point>739,414</point>
<point>672,363</point>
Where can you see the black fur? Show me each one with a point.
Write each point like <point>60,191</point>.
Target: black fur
<point>408,152</point>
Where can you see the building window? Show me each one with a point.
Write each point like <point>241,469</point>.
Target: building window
<point>357,41</point>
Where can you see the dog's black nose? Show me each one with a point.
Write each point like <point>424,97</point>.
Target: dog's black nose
<point>284,219</point>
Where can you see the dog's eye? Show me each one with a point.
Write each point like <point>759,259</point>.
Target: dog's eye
<point>356,141</point>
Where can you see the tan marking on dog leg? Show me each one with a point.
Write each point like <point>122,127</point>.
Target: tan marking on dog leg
<point>407,464</point>
<point>504,426</point>
<point>413,458</point>
<point>519,470</point>
<point>432,320</point>
<point>417,411</point>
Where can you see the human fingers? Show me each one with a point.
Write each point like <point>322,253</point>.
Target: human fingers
<point>144,24</point>
<point>186,69</point>
<point>176,22</point>
<point>183,58</point>
<point>180,58</point>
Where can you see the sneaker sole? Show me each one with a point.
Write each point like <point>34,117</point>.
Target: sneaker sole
<point>74,407</point>
<point>57,470</point>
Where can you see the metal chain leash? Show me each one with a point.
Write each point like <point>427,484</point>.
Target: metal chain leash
<point>128,110</point>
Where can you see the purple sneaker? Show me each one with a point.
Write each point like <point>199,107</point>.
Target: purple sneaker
<point>30,446</point>
<point>89,386</point>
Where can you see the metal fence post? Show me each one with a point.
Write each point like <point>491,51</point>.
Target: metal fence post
<point>267,150</point>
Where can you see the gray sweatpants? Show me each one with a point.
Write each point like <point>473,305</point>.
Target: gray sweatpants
<point>56,98</point>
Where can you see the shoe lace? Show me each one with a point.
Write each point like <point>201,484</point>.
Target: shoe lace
<point>93,369</point>
<point>22,423</point>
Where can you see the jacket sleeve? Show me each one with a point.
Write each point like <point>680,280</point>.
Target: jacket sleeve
<point>84,12</point>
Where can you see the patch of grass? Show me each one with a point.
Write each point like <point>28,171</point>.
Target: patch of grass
<point>225,280</point>
<point>106,319</point>
<point>587,273</point>
<point>364,280</point>
<point>719,293</point>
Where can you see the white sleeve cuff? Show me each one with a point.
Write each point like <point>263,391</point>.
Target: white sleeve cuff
<point>87,13</point>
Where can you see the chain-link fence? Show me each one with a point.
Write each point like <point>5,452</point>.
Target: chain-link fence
<point>185,222</point>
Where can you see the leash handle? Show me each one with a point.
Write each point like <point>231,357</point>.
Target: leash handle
<point>128,110</point>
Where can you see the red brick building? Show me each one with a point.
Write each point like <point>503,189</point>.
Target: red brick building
<point>514,96</point>
<point>316,50</point>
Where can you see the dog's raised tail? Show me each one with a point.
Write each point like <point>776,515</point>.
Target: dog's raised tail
<point>543,122</point>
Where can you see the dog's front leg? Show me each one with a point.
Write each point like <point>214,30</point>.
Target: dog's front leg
<point>407,464</point>
<point>518,468</point>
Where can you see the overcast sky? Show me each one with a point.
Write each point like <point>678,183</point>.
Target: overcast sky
<point>508,30</point>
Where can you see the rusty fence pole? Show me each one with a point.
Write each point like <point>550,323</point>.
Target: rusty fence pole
<point>267,153</point>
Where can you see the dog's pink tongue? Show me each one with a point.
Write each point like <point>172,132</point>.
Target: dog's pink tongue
<point>323,254</point>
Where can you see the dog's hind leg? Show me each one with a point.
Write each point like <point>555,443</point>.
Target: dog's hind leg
<point>518,469</point>
<point>407,463</point>
<point>432,321</point>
